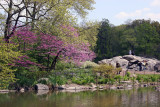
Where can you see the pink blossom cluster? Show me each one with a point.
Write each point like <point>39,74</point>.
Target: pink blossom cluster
<point>25,35</point>
<point>78,53</point>
<point>51,44</point>
<point>24,61</point>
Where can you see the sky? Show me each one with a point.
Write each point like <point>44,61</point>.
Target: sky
<point>119,11</point>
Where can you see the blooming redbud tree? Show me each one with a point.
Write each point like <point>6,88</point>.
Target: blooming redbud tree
<point>51,48</point>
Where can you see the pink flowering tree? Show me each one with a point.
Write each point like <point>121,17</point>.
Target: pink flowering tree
<point>53,49</point>
<point>47,49</point>
<point>26,41</point>
<point>50,48</point>
<point>69,49</point>
<point>25,38</point>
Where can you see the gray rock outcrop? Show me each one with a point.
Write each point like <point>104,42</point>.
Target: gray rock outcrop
<point>41,87</point>
<point>131,62</point>
<point>157,67</point>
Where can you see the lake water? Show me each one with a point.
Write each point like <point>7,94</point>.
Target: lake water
<point>142,97</point>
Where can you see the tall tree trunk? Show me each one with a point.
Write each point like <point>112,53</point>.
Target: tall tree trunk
<point>26,13</point>
<point>53,65</point>
<point>33,15</point>
<point>8,22</point>
<point>15,25</point>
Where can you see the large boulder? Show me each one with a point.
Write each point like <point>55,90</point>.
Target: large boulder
<point>128,57</point>
<point>151,64</point>
<point>133,57</point>
<point>123,62</point>
<point>132,62</point>
<point>41,87</point>
<point>120,60</point>
<point>105,61</point>
<point>157,67</point>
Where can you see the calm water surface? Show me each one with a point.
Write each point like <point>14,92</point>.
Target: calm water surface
<point>143,97</point>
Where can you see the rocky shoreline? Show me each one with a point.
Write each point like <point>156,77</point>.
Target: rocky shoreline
<point>125,85</point>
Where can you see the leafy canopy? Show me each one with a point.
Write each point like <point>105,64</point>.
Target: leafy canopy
<point>7,56</point>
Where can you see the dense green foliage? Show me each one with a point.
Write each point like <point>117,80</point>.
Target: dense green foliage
<point>105,70</point>
<point>103,47</point>
<point>140,36</point>
<point>89,64</point>
<point>7,56</point>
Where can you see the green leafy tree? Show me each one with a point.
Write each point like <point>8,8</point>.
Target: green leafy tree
<point>117,45</point>
<point>129,40</point>
<point>103,47</point>
<point>147,39</point>
<point>88,32</point>
<point>7,55</point>
<point>141,36</point>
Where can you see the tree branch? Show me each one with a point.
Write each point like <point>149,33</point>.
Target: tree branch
<point>4,8</point>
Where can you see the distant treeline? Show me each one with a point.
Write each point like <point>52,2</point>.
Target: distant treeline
<point>140,36</point>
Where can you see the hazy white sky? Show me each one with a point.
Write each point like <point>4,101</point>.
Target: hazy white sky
<point>118,11</point>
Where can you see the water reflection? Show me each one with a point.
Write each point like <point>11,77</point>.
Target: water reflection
<point>143,97</point>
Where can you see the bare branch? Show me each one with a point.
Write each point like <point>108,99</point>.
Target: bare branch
<point>19,9</point>
<point>4,8</point>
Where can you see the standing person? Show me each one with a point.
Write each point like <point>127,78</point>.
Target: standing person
<point>144,65</point>
<point>118,66</point>
<point>140,66</point>
<point>133,53</point>
<point>130,52</point>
